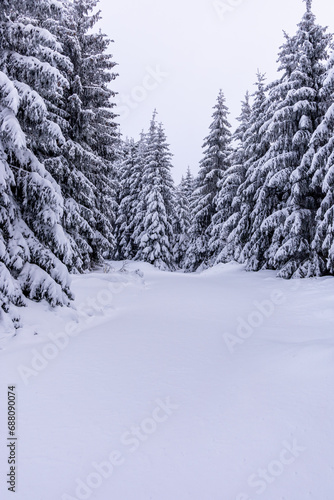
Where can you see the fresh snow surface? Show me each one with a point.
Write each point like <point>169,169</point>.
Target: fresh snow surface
<point>210,386</point>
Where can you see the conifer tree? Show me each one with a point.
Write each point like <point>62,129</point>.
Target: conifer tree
<point>156,239</point>
<point>304,201</point>
<point>212,167</point>
<point>182,219</point>
<point>137,207</point>
<point>130,183</point>
<point>32,240</point>
<point>321,259</point>
<point>282,218</point>
<point>188,185</point>
<point>85,169</point>
<point>228,199</point>
<point>236,231</point>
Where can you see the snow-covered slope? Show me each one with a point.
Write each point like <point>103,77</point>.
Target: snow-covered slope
<point>166,386</point>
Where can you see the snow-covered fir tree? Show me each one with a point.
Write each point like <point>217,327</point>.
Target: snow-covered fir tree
<point>305,199</point>
<point>283,217</point>
<point>230,240</point>
<point>321,260</point>
<point>130,171</point>
<point>85,169</point>
<point>136,206</point>
<point>255,147</point>
<point>32,240</point>
<point>154,231</point>
<point>221,241</point>
<point>182,218</point>
<point>188,184</point>
<point>215,162</point>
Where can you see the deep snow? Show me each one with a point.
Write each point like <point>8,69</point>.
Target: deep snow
<point>210,386</point>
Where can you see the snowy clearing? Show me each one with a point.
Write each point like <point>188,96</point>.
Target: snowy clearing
<point>171,386</point>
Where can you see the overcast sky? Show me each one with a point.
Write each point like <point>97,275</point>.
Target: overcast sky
<point>175,55</point>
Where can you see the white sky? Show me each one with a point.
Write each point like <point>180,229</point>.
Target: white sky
<point>198,46</point>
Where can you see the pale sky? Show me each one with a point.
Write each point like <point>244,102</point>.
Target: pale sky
<point>175,55</point>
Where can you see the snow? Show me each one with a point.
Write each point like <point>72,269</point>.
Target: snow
<point>179,355</point>
<point>11,127</point>
<point>33,65</point>
<point>10,97</point>
<point>40,284</point>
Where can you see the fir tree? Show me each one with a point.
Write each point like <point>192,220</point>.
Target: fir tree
<point>212,167</point>
<point>31,236</point>
<point>255,145</point>
<point>182,219</point>
<point>283,215</point>
<point>85,170</point>
<point>155,239</point>
<point>136,207</point>
<point>188,185</point>
<point>228,198</point>
<point>321,259</point>
<point>130,182</point>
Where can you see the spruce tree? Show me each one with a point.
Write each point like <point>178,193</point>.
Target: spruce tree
<point>282,220</point>
<point>255,145</point>
<point>321,259</point>
<point>85,169</point>
<point>188,185</point>
<point>130,182</point>
<point>137,207</point>
<point>31,206</point>
<point>228,199</point>
<point>182,219</point>
<point>155,239</point>
<point>212,167</point>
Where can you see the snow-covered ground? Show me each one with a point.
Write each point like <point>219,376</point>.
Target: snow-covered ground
<point>168,386</point>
